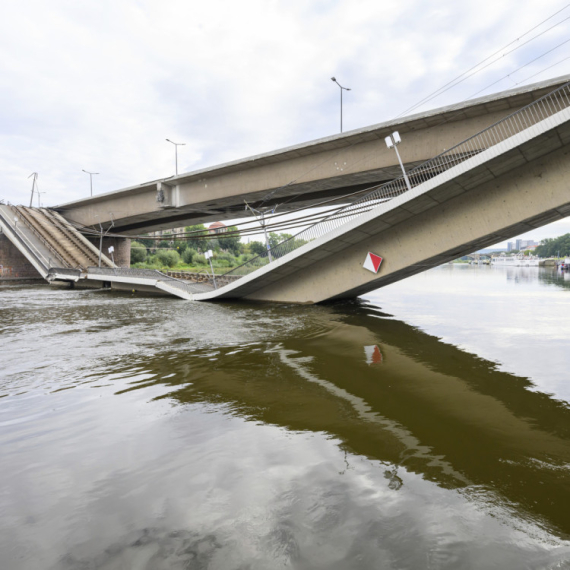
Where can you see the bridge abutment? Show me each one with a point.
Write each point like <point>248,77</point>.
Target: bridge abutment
<point>13,265</point>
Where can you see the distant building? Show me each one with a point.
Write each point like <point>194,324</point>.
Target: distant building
<point>217,228</point>
<point>173,232</point>
<point>521,244</point>
<point>510,246</point>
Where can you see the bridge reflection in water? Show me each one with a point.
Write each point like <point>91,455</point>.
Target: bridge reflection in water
<point>427,406</point>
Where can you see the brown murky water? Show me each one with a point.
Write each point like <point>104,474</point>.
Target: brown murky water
<point>427,426</point>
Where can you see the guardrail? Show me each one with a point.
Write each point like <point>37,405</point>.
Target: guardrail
<point>40,237</point>
<point>25,242</point>
<point>75,274</point>
<point>515,123</point>
<point>153,274</point>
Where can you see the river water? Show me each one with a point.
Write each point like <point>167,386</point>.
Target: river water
<point>424,426</point>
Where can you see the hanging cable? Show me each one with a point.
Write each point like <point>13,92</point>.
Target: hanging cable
<point>454,82</point>
<point>543,70</point>
<point>518,69</point>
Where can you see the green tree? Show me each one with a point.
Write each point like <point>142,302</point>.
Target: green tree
<point>168,257</point>
<point>211,244</point>
<point>257,248</point>
<point>551,247</point>
<point>138,252</point>
<point>188,255</point>
<point>275,239</point>
<point>180,245</point>
<point>148,242</point>
<point>194,240</point>
<point>231,243</point>
<point>165,243</point>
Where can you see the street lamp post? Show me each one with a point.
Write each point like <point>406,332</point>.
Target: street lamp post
<point>392,141</point>
<point>176,145</point>
<point>34,177</point>
<point>90,179</point>
<point>341,90</point>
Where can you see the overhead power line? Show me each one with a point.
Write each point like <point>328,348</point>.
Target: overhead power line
<point>519,68</point>
<point>454,82</point>
<point>543,70</point>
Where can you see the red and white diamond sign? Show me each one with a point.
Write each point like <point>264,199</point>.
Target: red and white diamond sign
<point>372,262</point>
<point>373,354</point>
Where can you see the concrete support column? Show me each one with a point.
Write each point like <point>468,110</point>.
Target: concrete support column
<point>122,253</point>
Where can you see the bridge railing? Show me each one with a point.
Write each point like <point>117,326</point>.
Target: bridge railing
<point>52,250</point>
<point>151,275</point>
<point>515,123</point>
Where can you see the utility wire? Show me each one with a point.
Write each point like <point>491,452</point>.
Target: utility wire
<point>518,69</point>
<point>455,81</point>
<point>543,70</point>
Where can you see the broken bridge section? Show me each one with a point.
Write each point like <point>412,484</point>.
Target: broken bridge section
<point>505,180</point>
<point>45,245</point>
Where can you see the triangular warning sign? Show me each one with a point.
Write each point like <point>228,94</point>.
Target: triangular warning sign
<point>372,262</point>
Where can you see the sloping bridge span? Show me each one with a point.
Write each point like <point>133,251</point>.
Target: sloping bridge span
<point>49,242</point>
<point>60,253</point>
<point>515,185</point>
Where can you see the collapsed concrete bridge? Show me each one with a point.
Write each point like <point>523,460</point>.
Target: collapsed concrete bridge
<point>505,179</point>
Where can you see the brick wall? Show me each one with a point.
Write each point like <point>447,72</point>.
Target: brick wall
<point>14,264</point>
<point>122,253</point>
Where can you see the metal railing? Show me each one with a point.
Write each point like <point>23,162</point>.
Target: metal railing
<point>74,273</point>
<point>34,230</point>
<point>515,123</point>
<point>25,241</point>
<point>73,235</point>
<point>153,274</point>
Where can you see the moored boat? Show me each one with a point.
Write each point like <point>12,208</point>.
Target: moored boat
<point>517,260</point>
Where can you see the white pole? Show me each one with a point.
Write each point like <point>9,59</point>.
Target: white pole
<point>402,167</point>
<point>267,244</point>
<point>209,254</point>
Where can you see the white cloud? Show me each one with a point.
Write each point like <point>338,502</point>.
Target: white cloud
<point>99,86</point>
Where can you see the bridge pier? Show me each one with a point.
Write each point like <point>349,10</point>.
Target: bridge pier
<point>122,253</point>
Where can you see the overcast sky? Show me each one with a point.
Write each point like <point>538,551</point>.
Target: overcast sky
<point>100,85</point>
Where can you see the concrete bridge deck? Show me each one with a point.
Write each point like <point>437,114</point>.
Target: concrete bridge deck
<point>303,174</point>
